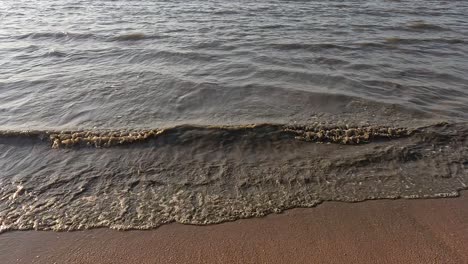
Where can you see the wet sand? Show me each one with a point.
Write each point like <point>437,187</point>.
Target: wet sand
<point>382,231</point>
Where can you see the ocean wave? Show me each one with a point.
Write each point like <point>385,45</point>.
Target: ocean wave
<point>55,53</point>
<point>226,12</point>
<point>320,133</point>
<point>413,41</point>
<point>377,44</point>
<point>422,25</point>
<point>206,175</point>
<point>309,47</point>
<point>134,37</point>
<point>56,35</point>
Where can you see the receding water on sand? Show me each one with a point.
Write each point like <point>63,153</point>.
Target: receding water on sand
<point>203,175</point>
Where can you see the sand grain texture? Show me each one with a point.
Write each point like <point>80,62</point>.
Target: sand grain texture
<point>383,231</point>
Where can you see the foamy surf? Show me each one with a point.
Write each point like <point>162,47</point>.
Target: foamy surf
<point>320,133</point>
<point>206,175</point>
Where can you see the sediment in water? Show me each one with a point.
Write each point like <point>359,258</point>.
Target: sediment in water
<point>316,132</point>
<point>205,175</point>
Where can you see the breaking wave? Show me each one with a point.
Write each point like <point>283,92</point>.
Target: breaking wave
<point>321,133</point>
<point>205,175</point>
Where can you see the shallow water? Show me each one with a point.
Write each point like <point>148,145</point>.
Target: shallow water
<point>194,67</point>
<point>199,175</point>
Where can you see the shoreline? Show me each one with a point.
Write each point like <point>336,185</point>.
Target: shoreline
<point>384,231</point>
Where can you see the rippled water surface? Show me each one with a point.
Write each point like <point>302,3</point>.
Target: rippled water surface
<point>352,100</point>
<point>147,63</point>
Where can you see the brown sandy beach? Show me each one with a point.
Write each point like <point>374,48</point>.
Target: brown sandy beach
<point>383,231</point>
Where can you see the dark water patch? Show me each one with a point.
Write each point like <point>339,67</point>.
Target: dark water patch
<point>376,45</point>
<point>135,37</point>
<point>422,25</point>
<point>55,53</point>
<point>273,26</point>
<point>226,12</point>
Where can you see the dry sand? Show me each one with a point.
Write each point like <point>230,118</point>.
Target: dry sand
<point>385,231</point>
